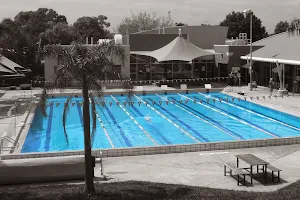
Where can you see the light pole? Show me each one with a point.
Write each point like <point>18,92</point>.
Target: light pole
<point>250,67</point>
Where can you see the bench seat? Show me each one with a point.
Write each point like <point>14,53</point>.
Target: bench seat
<point>33,170</point>
<point>274,169</point>
<point>238,171</point>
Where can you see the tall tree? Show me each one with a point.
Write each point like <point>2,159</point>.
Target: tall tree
<point>281,26</point>
<point>238,23</point>
<point>180,24</point>
<point>294,26</point>
<point>95,27</point>
<point>90,66</point>
<point>144,21</point>
<point>61,33</point>
<point>14,42</point>
<point>36,22</point>
<point>19,37</point>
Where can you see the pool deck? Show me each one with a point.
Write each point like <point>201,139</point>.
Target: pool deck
<point>203,169</point>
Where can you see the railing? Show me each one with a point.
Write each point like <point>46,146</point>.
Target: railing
<point>15,145</point>
<point>227,89</point>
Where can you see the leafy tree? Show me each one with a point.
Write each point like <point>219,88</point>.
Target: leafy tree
<point>92,27</point>
<point>180,24</point>
<point>90,66</point>
<point>14,42</point>
<point>36,22</point>
<point>238,23</point>
<point>294,26</point>
<point>281,26</point>
<point>143,21</point>
<point>61,33</point>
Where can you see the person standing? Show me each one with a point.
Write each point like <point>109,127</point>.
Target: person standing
<point>271,86</point>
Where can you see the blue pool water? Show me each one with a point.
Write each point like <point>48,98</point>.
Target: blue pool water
<point>192,119</point>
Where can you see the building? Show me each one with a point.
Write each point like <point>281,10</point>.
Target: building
<point>279,53</point>
<point>226,56</point>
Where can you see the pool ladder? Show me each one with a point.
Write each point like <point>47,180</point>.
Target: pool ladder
<point>228,89</point>
<point>9,148</point>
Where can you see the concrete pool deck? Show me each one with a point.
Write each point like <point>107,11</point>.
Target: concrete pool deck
<point>203,169</point>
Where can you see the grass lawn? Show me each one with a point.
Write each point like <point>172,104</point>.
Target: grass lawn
<point>139,191</point>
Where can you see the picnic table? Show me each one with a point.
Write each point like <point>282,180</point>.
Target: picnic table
<point>252,160</point>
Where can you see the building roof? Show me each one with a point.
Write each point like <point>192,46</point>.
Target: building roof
<point>178,49</point>
<point>7,64</point>
<point>282,48</point>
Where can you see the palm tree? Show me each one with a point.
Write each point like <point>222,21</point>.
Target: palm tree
<point>91,67</point>
<point>294,26</point>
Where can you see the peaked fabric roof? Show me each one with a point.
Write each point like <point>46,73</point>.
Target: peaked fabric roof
<point>178,49</point>
<point>9,64</point>
<point>282,48</point>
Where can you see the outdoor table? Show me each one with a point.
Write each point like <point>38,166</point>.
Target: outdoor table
<point>252,160</point>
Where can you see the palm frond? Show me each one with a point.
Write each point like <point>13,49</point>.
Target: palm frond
<point>65,115</point>
<point>44,99</point>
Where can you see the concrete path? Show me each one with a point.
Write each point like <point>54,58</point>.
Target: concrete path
<point>203,169</point>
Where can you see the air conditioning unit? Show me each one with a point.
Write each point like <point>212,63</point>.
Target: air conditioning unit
<point>118,39</point>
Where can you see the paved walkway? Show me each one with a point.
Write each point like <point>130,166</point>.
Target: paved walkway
<point>202,168</point>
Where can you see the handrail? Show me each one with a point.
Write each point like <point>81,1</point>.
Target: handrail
<point>16,145</point>
<point>226,88</point>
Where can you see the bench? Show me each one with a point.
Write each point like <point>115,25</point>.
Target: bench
<point>34,170</point>
<point>238,171</point>
<point>274,169</point>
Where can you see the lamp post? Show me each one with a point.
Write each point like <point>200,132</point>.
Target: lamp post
<point>250,67</point>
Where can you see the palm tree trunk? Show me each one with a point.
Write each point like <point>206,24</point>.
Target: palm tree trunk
<point>89,170</point>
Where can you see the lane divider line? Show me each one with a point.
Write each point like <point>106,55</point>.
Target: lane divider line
<point>104,129</point>
<point>234,115</point>
<point>252,112</point>
<point>201,118</point>
<point>188,134</point>
<point>146,133</point>
<point>242,121</point>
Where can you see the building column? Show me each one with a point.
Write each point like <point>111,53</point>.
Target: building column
<point>192,68</point>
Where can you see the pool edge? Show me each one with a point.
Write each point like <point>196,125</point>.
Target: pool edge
<point>138,151</point>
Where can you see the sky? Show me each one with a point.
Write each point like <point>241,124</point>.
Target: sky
<point>192,12</point>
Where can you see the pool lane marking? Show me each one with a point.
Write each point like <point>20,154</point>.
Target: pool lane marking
<point>242,121</point>
<point>146,133</point>
<point>250,111</point>
<point>236,116</point>
<point>188,134</point>
<point>49,126</point>
<point>210,119</point>
<point>79,112</point>
<point>156,130</point>
<point>115,123</point>
<point>228,133</point>
<point>204,139</point>
<point>104,129</point>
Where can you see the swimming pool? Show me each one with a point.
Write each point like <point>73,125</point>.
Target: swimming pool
<point>173,119</point>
